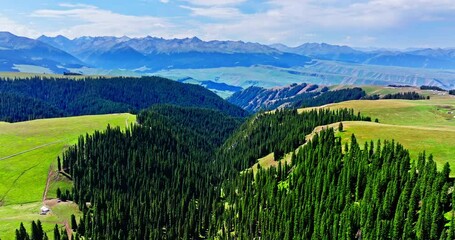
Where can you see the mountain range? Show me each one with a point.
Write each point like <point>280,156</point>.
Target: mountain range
<point>16,51</point>
<point>420,58</point>
<point>278,64</point>
<point>152,54</point>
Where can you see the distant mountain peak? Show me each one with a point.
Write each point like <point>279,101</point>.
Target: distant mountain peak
<point>6,34</point>
<point>16,50</point>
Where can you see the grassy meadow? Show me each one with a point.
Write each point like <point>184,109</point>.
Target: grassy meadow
<point>28,151</point>
<point>419,125</point>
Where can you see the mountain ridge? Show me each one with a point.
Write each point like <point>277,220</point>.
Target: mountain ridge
<point>21,51</point>
<point>421,58</point>
<point>159,53</point>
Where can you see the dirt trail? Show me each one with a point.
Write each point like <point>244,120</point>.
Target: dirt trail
<point>29,150</point>
<point>14,183</point>
<point>51,203</point>
<point>49,176</point>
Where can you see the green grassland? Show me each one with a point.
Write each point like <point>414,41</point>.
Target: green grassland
<point>420,125</point>
<point>28,150</point>
<point>439,142</point>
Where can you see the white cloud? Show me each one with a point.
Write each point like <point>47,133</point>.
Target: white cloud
<point>214,2</point>
<point>290,21</point>
<point>164,1</point>
<point>93,21</point>
<point>69,5</point>
<point>9,25</point>
<point>215,12</point>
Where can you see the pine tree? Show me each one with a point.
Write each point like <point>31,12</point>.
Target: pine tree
<point>23,232</point>
<point>73,222</point>
<point>35,231</point>
<point>40,230</point>
<point>56,233</point>
<point>59,164</point>
<point>59,193</point>
<point>18,235</point>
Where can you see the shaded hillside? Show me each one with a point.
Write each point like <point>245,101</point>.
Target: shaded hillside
<point>87,96</point>
<point>20,108</point>
<point>210,127</point>
<point>254,99</point>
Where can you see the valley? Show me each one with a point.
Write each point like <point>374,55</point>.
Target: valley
<point>322,72</point>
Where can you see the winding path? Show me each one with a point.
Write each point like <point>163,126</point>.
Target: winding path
<point>31,149</point>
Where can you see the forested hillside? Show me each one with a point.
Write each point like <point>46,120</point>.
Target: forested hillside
<point>328,193</point>
<point>32,98</point>
<point>155,181</point>
<point>159,175</point>
<point>19,108</point>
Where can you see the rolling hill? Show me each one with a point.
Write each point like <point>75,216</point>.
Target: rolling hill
<point>420,125</point>
<point>44,97</point>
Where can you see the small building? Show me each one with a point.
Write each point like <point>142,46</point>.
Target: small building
<point>44,210</point>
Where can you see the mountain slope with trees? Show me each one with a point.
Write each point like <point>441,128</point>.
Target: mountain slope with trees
<point>32,98</point>
<point>155,181</point>
<point>161,183</point>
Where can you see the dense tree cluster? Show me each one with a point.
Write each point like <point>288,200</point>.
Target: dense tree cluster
<point>37,232</point>
<point>156,181</point>
<point>452,92</point>
<point>399,86</point>
<point>31,98</point>
<point>401,95</point>
<point>405,95</point>
<point>328,97</point>
<point>157,178</point>
<point>20,108</point>
<point>210,127</point>
<point>435,88</point>
<point>329,192</point>
<point>280,133</point>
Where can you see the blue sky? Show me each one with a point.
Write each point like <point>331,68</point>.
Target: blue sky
<point>359,23</point>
